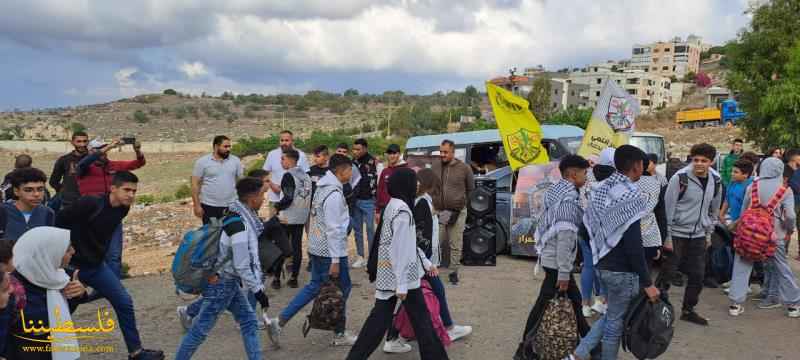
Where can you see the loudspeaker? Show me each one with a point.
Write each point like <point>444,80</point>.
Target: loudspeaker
<point>480,233</point>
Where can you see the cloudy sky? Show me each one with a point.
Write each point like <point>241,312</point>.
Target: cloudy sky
<point>68,52</point>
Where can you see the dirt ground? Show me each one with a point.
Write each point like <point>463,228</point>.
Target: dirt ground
<point>494,300</point>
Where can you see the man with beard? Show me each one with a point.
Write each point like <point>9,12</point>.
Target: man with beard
<point>214,180</point>
<point>64,176</point>
<point>276,170</point>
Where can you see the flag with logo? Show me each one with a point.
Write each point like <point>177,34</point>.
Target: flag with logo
<point>519,130</point>
<point>612,121</point>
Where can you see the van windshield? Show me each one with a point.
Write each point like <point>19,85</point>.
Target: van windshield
<point>571,143</point>
<point>650,144</point>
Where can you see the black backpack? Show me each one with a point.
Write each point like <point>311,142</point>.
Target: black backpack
<point>648,327</point>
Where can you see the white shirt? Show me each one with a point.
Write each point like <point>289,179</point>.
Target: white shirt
<point>276,170</point>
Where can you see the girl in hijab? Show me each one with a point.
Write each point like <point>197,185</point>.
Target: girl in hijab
<point>40,257</point>
<point>397,270</point>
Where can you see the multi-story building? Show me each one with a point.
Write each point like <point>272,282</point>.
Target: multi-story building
<point>671,58</point>
<point>651,89</point>
<point>563,92</point>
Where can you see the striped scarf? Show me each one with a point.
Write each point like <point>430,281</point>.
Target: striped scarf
<point>562,211</point>
<point>249,217</point>
<point>614,205</point>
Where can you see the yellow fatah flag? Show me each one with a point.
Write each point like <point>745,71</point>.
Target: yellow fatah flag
<point>612,121</point>
<point>521,134</point>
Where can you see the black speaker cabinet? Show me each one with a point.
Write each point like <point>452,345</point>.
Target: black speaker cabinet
<point>480,233</point>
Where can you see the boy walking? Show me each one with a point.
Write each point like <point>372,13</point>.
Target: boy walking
<point>782,281</point>
<point>327,247</point>
<point>293,209</point>
<point>692,203</point>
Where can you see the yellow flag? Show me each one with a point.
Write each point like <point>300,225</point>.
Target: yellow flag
<point>521,134</point>
<point>612,121</point>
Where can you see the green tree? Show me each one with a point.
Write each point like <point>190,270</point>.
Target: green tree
<point>539,97</point>
<point>170,92</point>
<point>351,92</point>
<point>77,127</point>
<point>764,65</point>
<point>140,117</point>
<point>570,116</point>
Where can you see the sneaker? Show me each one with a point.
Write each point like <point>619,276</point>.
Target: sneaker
<point>793,312</point>
<point>769,303</point>
<point>453,278</point>
<point>344,339</point>
<point>185,319</point>
<point>145,354</point>
<point>274,331</point>
<point>359,263</point>
<point>292,283</point>
<point>587,311</point>
<point>459,331</point>
<point>735,310</point>
<point>276,283</point>
<point>694,318</point>
<point>599,307</point>
<point>726,285</point>
<point>710,283</point>
<point>396,346</point>
<point>726,291</point>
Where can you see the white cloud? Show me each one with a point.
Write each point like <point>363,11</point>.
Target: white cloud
<point>124,77</point>
<point>194,69</point>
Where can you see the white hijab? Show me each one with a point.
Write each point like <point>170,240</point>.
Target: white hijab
<point>37,256</point>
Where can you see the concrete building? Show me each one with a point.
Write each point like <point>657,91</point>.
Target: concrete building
<point>651,89</point>
<point>671,58</point>
<point>563,92</point>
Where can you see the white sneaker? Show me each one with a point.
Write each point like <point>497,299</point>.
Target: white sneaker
<point>344,339</point>
<point>599,307</point>
<point>735,310</point>
<point>273,331</point>
<point>396,346</point>
<point>185,319</point>
<point>587,311</point>
<point>793,312</point>
<point>726,285</point>
<point>458,332</point>
<point>359,263</point>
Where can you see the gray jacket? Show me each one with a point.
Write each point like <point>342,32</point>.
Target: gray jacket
<point>559,253</point>
<point>695,214</point>
<point>768,183</point>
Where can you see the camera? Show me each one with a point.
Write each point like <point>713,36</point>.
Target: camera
<point>129,140</point>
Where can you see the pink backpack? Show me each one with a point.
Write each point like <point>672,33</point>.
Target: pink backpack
<point>403,323</point>
<point>755,240</point>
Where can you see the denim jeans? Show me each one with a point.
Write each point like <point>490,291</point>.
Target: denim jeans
<point>194,308</point>
<point>114,252</point>
<point>590,280</point>
<point>622,288</point>
<point>108,285</point>
<point>320,266</point>
<point>224,295</point>
<point>363,214</point>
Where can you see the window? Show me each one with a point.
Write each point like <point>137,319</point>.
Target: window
<point>655,50</point>
<point>597,93</point>
<point>618,81</point>
<point>681,49</point>
<point>599,80</point>
<point>666,50</point>
<point>632,91</point>
<point>595,69</point>
<point>645,102</point>
<point>555,105</point>
<point>654,68</point>
<point>555,91</point>
<point>632,81</point>
<point>646,69</point>
<point>665,68</point>
<point>572,93</point>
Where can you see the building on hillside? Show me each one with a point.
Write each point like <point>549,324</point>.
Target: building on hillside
<point>671,58</point>
<point>533,71</point>
<point>566,94</point>
<point>651,89</point>
<point>520,85</point>
<point>716,95</point>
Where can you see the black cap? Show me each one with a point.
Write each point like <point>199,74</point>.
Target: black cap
<point>393,149</point>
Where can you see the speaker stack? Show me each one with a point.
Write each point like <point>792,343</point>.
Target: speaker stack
<point>479,248</point>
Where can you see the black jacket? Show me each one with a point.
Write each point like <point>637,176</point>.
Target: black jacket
<point>91,221</point>
<point>64,177</point>
<point>368,185</point>
<point>423,219</point>
<point>628,255</point>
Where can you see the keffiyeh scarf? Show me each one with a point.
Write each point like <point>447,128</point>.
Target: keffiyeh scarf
<point>562,211</point>
<point>249,217</point>
<point>614,205</point>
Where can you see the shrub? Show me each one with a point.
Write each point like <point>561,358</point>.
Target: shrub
<point>183,192</point>
<point>170,92</point>
<point>140,117</point>
<point>165,198</point>
<point>180,112</point>
<point>77,127</point>
<point>146,199</point>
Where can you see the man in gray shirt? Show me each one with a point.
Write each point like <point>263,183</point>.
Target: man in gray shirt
<point>214,180</point>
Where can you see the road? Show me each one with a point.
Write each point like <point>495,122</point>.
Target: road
<point>494,300</point>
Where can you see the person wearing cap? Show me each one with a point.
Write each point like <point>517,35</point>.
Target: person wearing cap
<point>394,161</point>
<point>95,173</point>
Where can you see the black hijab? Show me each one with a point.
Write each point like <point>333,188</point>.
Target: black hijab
<point>402,185</point>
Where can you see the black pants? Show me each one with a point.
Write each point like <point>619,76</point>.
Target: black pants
<point>549,291</point>
<point>689,257</point>
<point>212,212</point>
<point>380,319</point>
<point>295,233</point>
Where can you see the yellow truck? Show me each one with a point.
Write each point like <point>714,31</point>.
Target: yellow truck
<point>727,114</point>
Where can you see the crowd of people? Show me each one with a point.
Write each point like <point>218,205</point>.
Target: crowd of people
<point>65,250</point>
<point>613,214</point>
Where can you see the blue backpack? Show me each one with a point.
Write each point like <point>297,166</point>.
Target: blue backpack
<point>196,259</point>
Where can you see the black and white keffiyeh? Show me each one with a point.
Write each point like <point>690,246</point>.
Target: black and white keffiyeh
<point>562,211</point>
<point>249,216</point>
<point>614,205</point>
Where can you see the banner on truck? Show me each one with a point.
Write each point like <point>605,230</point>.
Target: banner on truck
<point>612,121</point>
<point>519,130</point>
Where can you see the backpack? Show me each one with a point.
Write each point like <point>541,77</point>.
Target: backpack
<point>648,327</point>
<point>556,334</point>
<point>721,255</point>
<point>683,184</point>
<point>196,258</point>
<point>754,235</point>
<point>402,321</point>
<point>328,309</point>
